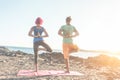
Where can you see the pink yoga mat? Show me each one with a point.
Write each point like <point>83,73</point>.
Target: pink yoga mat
<point>46,73</point>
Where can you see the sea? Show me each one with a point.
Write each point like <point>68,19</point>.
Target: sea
<point>78,54</point>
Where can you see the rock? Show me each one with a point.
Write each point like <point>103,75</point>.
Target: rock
<point>4,50</point>
<point>94,68</point>
<point>104,60</point>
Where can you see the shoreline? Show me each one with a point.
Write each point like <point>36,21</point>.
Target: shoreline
<point>82,54</point>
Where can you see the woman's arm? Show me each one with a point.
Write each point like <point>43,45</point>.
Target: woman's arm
<point>30,33</point>
<point>46,34</point>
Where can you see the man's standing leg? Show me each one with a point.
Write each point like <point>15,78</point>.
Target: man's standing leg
<point>66,56</point>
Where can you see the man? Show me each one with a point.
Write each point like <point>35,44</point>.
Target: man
<point>68,32</point>
<point>38,38</point>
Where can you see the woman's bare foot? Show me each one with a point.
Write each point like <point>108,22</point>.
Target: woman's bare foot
<point>43,49</point>
<point>36,67</point>
<point>67,71</point>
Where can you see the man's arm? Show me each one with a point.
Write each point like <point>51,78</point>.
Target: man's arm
<point>60,32</point>
<point>76,33</point>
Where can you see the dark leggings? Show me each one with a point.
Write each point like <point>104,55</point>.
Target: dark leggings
<point>36,45</point>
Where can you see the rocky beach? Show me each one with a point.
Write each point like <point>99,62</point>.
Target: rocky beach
<point>101,67</point>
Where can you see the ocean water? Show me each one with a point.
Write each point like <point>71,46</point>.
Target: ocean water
<point>78,54</point>
<point>23,49</point>
<point>27,50</point>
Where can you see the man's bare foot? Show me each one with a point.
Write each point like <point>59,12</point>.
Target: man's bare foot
<point>73,51</point>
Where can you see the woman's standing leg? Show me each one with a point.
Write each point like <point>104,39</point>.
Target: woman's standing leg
<point>36,55</point>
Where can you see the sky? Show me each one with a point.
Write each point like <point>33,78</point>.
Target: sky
<point>98,22</point>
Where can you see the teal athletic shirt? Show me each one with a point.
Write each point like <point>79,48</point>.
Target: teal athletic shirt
<point>36,31</point>
<point>67,30</point>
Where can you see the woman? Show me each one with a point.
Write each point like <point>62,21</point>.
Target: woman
<point>38,36</point>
